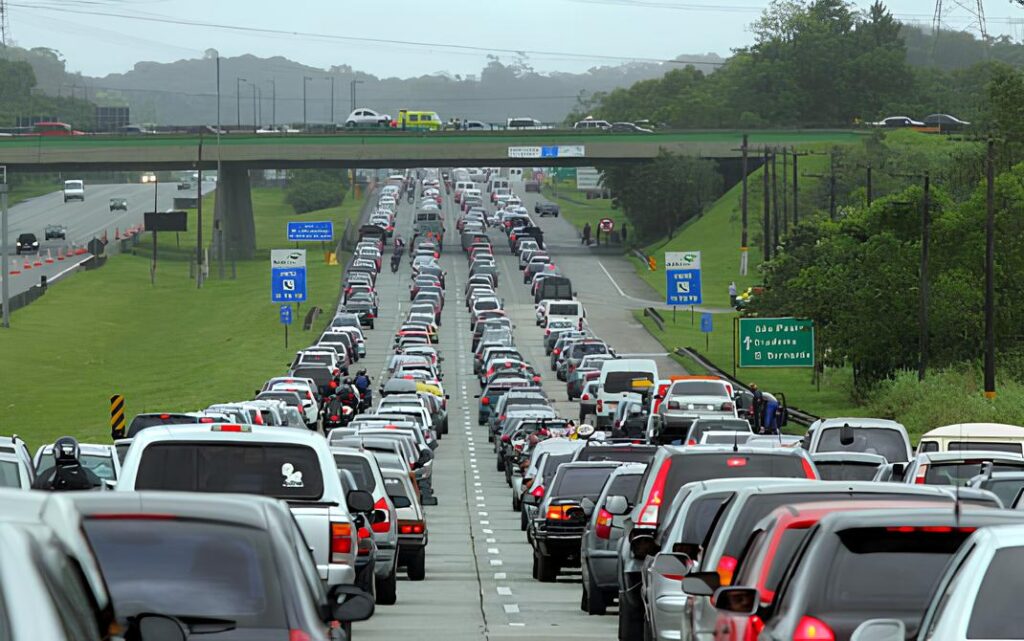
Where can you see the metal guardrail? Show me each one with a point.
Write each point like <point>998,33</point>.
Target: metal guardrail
<point>798,416</point>
<point>655,317</point>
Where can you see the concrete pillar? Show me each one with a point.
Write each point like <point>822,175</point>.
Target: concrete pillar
<point>233,209</point>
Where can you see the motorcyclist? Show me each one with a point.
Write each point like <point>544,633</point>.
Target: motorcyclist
<point>362,383</point>
<point>68,473</point>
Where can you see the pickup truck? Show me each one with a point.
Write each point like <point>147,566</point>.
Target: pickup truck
<point>295,466</point>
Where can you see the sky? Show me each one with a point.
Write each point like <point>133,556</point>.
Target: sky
<point>406,38</point>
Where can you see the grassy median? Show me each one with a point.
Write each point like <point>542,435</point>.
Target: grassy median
<point>167,346</point>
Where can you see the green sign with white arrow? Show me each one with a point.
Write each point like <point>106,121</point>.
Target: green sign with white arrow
<point>776,342</point>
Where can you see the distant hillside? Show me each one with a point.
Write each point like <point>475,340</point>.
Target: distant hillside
<point>184,92</point>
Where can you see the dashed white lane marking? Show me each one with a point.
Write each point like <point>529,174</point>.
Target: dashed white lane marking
<point>511,608</point>
<point>500,576</point>
<point>504,591</point>
<point>493,551</point>
<point>482,513</point>
<point>496,562</point>
<point>485,522</point>
<point>491,539</point>
<point>488,531</point>
<point>517,624</point>
<point>478,484</point>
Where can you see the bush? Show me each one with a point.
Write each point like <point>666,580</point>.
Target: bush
<point>311,196</point>
<point>945,397</point>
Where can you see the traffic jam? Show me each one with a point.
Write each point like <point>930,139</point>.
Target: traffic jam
<point>673,505</point>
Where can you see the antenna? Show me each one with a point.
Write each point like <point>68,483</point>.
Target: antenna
<point>736,441</point>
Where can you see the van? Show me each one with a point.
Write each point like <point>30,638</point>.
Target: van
<point>74,190</point>
<point>554,288</point>
<point>590,123</point>
<point>515,173</point>
<point>418,120</point>
<point>561,310</point>
<point>427,221</point>
<point>869,435</point>
<point>461,186</point>
<point>522,123</point>
<point>973,436</point>
<point>498,182</point>
<point>623,379</point>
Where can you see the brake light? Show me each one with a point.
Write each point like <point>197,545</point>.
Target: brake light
<point>332,384</point>
<point>754,627</point>
<point>341,541</point>
<point>811,629</point>
<point>736,461</point>
<point>932,529</point>
<point>362,533</point>
<point>726,567</point>
<point>673,405</point>
<point>231,428</point>
<point>809,470</point>
<point>558,512</point>
<point>921,472</point>
<point>600,406</point>
<point>505,438</point>
<point>691,442</point>
<point>334,417</point>
<point>537,492</point>
<point>603,525</point>
<point>585,397</point>
<point>298,635</point>
<point>547,332</point>
<point>385,525</point>
<point>649,515</point>
<point>206,419</point>
<point>165,416</point>
<point>485,401</point>
<point>411,527</point>
<point>557,351</point>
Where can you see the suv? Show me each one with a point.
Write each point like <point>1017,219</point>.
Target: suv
<point>546,209</point>
<point>292,465</point>
<point>26,243</point>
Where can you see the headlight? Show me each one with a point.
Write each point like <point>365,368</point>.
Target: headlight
<point>36,242</point>
<point>17,244</point>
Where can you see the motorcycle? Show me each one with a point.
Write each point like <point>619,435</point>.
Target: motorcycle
<point>396,262</point>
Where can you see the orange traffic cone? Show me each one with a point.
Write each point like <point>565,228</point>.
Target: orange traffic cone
<point>14,267</point>
<point>27,264</point>
<point>49,257</point>
<point>60,253</point>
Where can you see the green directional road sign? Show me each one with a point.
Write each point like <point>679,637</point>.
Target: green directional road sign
<point>776,342</point>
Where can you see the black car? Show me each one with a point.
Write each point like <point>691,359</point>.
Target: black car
<point>26,243</point>
<point>364,311</point>
<point>546,209</point>
<point>55,231</point>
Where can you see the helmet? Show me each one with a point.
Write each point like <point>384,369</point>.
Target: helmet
<point>585,431</point>
<point>66,450</point>
<point>361,372</point>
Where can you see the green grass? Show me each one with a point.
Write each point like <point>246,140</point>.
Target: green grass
<point>575,208</point>
<point>164,346</point>
<point>833,399</point>
<point>25,191</point>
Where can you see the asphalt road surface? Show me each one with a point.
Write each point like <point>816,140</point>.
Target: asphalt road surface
<point>479,583</point>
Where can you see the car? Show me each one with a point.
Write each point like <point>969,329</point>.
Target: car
<point>14,473</point>
<point>364,117</point>
<point>973,436</point>
<point>101,459</point>
<point>871,435</point>
<point>74,190</point>
<point>898,121</point>
<point>184,185</point>
<point>531,186</point>
<point>956,468</point>
<point>546,209</point>
<point>945,122</point>
<point>413,535</point>
<point>52,232</point>
<point>629,127</point>
<point>591,123</point>
<point>1006,485</point>
<point>26,243</point>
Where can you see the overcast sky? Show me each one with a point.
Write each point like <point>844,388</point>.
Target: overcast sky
<point>595,32</point>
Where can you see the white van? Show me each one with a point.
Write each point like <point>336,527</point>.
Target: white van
<point>515,173</point>
<point>498,182</point>
<point>622,379</point>
<point>973,436</point>
<point>560,310</point>
<point>74,190</point>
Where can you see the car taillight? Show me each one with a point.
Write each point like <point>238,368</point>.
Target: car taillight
<point>332,384</point>
<point>726,567</point>
<point>334,417</point>
<point>603,525</point>
<point>537,492</point>
<point>556,351</point>
<point>673,405</point>
<point>932,529</point>
<point>411,527</point>
<point>558,512</point>
<point>811,629</point>
<point>585,397</point>
<point>691,442</point>
<point>922,471</point>
<point>547,332</point>
<point>298,635</point>
<point>600,406</point>
<point>649,515</point>
<point>341,541</point>
<point>736,461</point>
<point>754,627</point>
<point>809,470</point>
<point>382,526</point>
<point>485,401</point>
<point>505,438</point>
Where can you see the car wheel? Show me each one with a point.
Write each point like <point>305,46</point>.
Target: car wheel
<point>371,324</point>
<point>501,464</point>
<point>522,519</point>
<point>631,626</point>
<point>387,589</point>
<point>444,426</point>
<point>350,124</point>
<point>416,569</point>
<point>534,571</point>
<point>593,598</point>
<point>547,568</point>
<point>516,504</point>
<point>508,475</point>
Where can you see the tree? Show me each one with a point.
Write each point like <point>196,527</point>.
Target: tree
<point>314,189</point>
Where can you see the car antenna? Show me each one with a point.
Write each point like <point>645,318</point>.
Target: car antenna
<point>736,441</point>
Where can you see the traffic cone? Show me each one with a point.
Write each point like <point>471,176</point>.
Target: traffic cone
<point>117,233</point>
<point>26,265</point>
<point>60,253</point>
<point>49,257</point>
<point>14,267</point>
<point>39,261</point>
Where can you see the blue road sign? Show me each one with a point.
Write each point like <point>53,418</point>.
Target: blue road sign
<point>287,275</point>
<point>683,287</point>
<point>706,323</point>
<point>286,314</point>
<point>321,230</point>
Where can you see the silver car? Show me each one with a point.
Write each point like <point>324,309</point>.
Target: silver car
<point>541,473</point>
<point>599,548</point>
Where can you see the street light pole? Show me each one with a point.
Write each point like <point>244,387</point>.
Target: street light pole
<point>238,99</point>
<point>305,121</point>
<point>352,91</point>
<point>990,264</point>
<point>332,100</point>
<point>255,127</point>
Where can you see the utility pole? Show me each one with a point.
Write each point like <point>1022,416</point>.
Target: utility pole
<point>238,101</point>
<point>990,263</point>
<point>767,215</point>
<point>743,211</point>
<point>332,100</point>
<point>926,223</point>
<point>775,206</point>
<point>305,121</point>
<point>199,215</point>
<point>255,127</point>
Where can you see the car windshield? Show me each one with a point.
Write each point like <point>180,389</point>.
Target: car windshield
<point>961,472</point>
<point>872,440</point>
<point>9,476</point>
<point>187,568</point>
<point>101,466</point>
<point>360,469</point>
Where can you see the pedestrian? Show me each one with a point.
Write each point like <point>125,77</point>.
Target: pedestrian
<point>586,234</point>
<point>732,294</point>
<point>599,235</point>
<point>758,407</point>
<point>625,233</point>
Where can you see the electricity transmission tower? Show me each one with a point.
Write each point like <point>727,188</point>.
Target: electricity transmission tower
<point>973,9</point>
<point>5,24</point>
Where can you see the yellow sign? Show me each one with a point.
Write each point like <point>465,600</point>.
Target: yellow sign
<point>117,416</point>
<point>652,263</point>
<point>330,258</point>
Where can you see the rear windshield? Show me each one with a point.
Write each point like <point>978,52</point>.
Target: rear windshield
<point>622,454</point>
<point>9,476</point>
<point>288,472</point>
<point>289,398</point>
<point>616,382</point>
<point>735,425</point>
<point>701,467</point>
<point>874,572</point>
<point>189,568</point>
<point>959,446</point>
<point>625,485</point>
<point>581,482</point>
<point>960,472</point>
<point>1005,489</point>
<point>697,388</point>
<point>395,487</point>
<point>360,469</point>
<point>142,421</point>
<point>101,466</point>
<point>564,309</point>
<point>391,461</point>
<point>586,349</point>
<point>551,463</point>
<point>885,442</point>
<point>846,471</point>
<point>486,304</point>
<point>997,613</point>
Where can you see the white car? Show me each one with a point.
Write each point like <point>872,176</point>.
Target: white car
<point>364,117</point>
<point>898,121</point>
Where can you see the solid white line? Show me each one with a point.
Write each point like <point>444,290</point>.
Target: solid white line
<point>614,284</point>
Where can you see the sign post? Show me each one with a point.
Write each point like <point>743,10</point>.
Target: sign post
<point>706,326</point>
<point>117,416</point>
<point>776,342</point>
<point>286,320</point>
<point>683,281</point>
<point>287,275</point>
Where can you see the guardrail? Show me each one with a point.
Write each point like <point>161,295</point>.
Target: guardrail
<point>655,317</point>
<point>798,416</point>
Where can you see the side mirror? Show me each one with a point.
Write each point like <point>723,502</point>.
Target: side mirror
<point>359,501</point>
<point>691,550</point>
<point>880,630</point>
<point>671,564</point>
<point>349,603</point>
<point>846,435</point>
<point>616,505</point>
<point>426,456</point>
<point>899,469</point>
<point>701,583</point>
<point>736,599</point>
<point>400,502</point>
<point>157,627</point>
<point>588,506</point>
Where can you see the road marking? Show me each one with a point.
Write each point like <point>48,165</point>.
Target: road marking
<point>482,513</point>
<point>496,562</point>
<point>500,576</point>
<point>511,608</point>
<point>504,591</point>
<point>491,539</point>
<point>516,624</point>
<point>478,484</point>
<point>614,284</point>
<point>493,551</point>
<point>485,522</point>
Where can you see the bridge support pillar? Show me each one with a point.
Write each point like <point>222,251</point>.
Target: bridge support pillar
<point>233,212</point>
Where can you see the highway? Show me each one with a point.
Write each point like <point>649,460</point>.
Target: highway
<point>83,220</point>
<point>479,583</point>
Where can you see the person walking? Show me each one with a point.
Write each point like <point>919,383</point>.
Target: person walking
<point>758,407</point>
<point>586,234</point>
<point>732,294</point>
<point>598,235</point>
<point>625,233</point>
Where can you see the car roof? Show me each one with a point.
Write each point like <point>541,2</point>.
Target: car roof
<point>941,457</point>
<point>859,422</point>
<point>207,432</point>
<point>248,510</point>
<point>971,430</point>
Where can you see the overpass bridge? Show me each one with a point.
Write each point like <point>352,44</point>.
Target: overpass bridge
<point>238,153</point>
